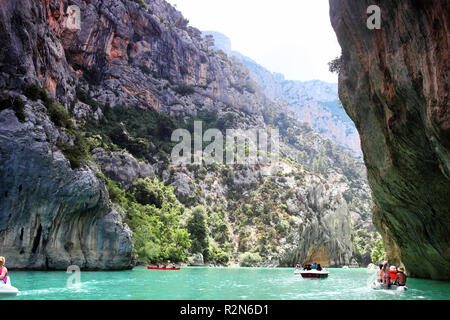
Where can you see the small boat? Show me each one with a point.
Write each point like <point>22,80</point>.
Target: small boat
<point>379,286</point>
<point>313,273</point>
<point>157,268</point>
<point>7,290</point>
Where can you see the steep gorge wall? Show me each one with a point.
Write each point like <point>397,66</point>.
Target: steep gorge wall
<point>394,84</point>
<point>51,216</point>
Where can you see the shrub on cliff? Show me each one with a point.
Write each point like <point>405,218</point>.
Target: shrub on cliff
<point>35,93</point>
<point>147,192</point>
<point>184,89</point>
<point>335,65</point>
<point>249,259</point>
<point>58,114</point>
<point>75,153</point>
<point>116,194</point>
<point>16,104</point>
<point>86,98</point>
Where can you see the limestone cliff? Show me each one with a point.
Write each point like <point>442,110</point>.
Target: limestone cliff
<point>50,215</point>
<point>394,84</point>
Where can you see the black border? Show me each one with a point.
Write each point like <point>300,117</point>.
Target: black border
<point>170,309</point>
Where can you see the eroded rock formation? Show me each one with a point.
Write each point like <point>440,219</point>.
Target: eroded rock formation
<point>50,215</point>
<point>394,84</point>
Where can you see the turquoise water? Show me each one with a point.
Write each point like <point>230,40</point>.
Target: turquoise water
<point>217,284</point>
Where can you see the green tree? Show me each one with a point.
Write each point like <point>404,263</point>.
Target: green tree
<point>378,252</point>
<point>148,192</point>
<point>157,230</point>
<point>198,229</point>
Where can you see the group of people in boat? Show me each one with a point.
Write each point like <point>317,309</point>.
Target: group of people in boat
<point>167,265</point>
<point>389,275</point>
<point>308,267</point>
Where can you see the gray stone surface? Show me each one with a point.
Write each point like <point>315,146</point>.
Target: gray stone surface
<point>50,215</point>
<point>122,167</point>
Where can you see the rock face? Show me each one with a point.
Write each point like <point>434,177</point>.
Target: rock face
<point>325,227</point>
<point>393,83</point>
<point>122,167</point>
<point>183,186</point>
<point>50,215</point>
<point>197,260</point>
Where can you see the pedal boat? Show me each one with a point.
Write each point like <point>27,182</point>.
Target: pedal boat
<point>379,286</point>
<point>7,290</point>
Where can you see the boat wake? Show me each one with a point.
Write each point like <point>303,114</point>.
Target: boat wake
<point>44,291</point>
<point>48,291</point>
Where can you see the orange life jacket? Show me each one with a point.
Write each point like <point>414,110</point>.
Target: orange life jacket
<point>392,274</point>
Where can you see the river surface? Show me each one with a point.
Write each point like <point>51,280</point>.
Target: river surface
<point>192,283</point>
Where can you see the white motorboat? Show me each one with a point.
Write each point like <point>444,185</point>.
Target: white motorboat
<point>313,273</point>
<point>7,290</point>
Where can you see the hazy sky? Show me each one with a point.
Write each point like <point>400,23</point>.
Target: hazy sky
<point>293,37</point>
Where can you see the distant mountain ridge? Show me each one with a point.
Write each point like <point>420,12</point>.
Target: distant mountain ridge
<point>315,101</point>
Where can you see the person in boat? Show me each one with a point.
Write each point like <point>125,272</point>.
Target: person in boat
<point>319,268</point>
<point>400,278</point>
<point>392,274</point>
<point>385,273</point>
<point>380,274</point>
<point>314,266</point>
<point>3,271</point>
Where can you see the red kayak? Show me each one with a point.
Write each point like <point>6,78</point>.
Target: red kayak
<point>156,268</point>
